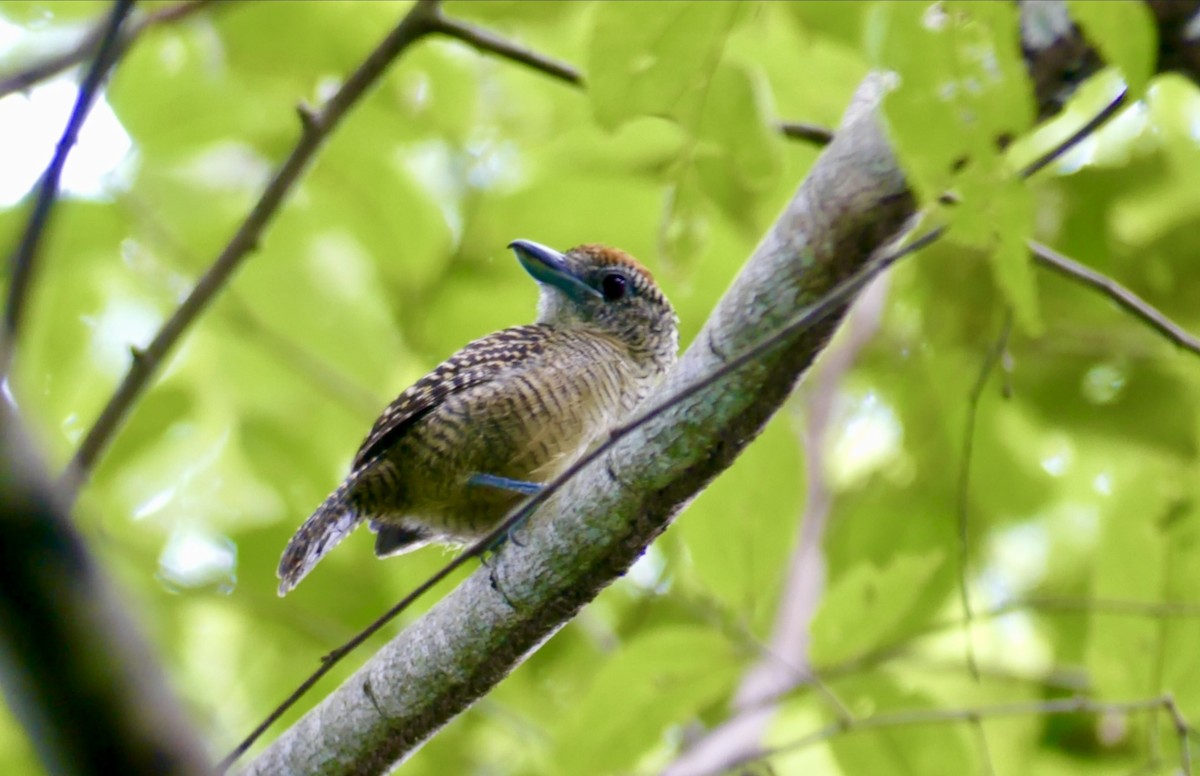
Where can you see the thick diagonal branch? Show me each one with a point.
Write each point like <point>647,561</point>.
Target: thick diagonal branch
<point>854,201</point>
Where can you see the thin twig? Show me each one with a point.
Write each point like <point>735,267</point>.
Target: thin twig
<point>1126,299</point>
<point>1077,136</point>
<point>1108,607</point>
<point>24,256</point>
<point>964,485</point>
<point>910,717</point>
<point>1183,730</point>
<point>22,79</point>
<point>316,126</point>
<point>485,40</point>
<point>815,133</point>
<point>838,296</point>
<point>811,133</point>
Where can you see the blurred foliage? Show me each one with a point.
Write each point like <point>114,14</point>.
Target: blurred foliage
<point>390,254</point>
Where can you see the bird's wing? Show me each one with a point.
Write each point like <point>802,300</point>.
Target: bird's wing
<point>477,363</point>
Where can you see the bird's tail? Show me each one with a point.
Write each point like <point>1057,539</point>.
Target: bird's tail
<point>332,522</point>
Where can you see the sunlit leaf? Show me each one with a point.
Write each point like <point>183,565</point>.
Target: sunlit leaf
<point>868,604</point>
<point>1124,33</point>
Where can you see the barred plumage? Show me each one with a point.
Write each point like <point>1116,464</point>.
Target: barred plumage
<point>518,405</point>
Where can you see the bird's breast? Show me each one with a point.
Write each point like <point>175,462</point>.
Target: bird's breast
<point>532,421</point>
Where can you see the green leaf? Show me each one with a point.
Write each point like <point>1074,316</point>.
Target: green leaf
<point>1129,567</point>
<point>904,749</point>
<point>1181,659</point>
<point>683,232</point>
<point>996,215</point>
<point>738,150</point>
<point>1123,31</point>
<point>868,604</point>
<point>962,96</point>
<point>655,680</point>
<point>961,86</point>
<point>655,58</point>
<point>740,536</point>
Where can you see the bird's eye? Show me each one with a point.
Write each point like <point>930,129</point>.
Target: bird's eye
<point>613,286</point>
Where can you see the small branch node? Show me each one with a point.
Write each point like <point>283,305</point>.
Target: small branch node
<point>310,119</point>
<point>809,133</point>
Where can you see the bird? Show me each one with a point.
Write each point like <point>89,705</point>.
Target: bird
<point>454,453</point>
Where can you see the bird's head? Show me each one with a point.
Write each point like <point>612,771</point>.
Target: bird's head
<point>603,288</point>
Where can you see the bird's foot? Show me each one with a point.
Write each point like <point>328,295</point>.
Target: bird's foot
<point>510,534</point>
<point>523,487</point>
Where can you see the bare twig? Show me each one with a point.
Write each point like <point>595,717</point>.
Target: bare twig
<point>1108,607</point>
<point>1126,299</point>
<point>819,135</point>
<point>811,133</point>
<point>24,256</point>
<point>51,66</point>
<point>1183,730</point>
<point>487,41</point>
<point>1077,136</point>
<point>911,717</point>
<point>315,128</point>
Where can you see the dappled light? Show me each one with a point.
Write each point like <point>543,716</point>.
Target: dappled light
<point>947,522</point>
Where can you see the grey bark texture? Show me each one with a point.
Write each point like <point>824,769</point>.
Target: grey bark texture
<point>853,202</point>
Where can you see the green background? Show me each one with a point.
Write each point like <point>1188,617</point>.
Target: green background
<point>390,254</point>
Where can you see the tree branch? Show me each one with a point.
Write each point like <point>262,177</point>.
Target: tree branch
<point>316,126</point>
<point>905,718</point>
<point>490,43</point>
<point>476,638</point>
<point>19,80</point>
<point>1094,123</point>
<point>801,130</point>
<point>1126,299</point>
<point>854,202</point>
<point>829,304</point>
<point>487,41</point>
<point>24,256</point>
<point>74,670</point>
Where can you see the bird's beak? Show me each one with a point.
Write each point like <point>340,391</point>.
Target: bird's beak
<point>547,265</point>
